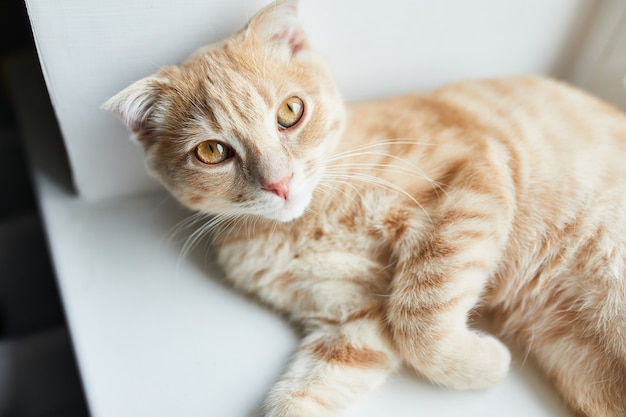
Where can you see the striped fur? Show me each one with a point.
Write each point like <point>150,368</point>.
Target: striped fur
<point>404,216</point>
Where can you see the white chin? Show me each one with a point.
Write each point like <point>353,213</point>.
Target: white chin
<point>292,209</point>
<point>284,216</point>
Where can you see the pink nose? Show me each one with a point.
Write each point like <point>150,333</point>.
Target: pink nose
<point>280,188</point>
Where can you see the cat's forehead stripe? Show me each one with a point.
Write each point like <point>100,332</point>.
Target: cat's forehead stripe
<point>234,93</point>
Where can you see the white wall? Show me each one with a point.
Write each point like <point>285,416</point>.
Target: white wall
<point>90,49</point>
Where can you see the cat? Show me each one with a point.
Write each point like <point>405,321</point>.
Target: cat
<point>381,227</point>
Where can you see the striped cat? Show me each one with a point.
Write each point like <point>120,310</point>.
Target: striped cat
<point>381,227</point>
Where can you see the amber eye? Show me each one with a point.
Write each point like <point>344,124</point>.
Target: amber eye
<point>290,112</point>
<point>212,152</point>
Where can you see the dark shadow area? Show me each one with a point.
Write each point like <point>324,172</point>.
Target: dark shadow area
<point>38,372</point>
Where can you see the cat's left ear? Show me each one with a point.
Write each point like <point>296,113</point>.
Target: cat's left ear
<point>278,26</point>
<point>135,106</point>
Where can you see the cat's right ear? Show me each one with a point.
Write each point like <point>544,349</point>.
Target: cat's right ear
<point>135,106</point>
<point>278,25</point>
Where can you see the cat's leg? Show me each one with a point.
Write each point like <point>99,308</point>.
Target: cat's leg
<point>591,379</point>
<point>440,280</point>
<point>579,337</point>
<point>574,352</point>
<point>577,334</point>
<point>334,365</point>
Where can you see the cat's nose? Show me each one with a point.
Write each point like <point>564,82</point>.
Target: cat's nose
<point>280,188</point>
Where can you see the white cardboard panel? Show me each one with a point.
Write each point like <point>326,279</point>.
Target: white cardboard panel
<point>90,49</point>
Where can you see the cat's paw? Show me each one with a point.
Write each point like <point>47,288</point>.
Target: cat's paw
<point>297,405</point>
<point>486,365</point>
<point>465,361</point>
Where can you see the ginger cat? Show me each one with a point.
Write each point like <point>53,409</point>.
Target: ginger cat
<point>380,227</point>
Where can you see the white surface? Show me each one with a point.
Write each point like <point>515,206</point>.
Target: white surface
<point>90,49</point>
<point>160,336</point>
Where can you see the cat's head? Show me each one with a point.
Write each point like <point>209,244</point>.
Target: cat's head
<point>243,126</point>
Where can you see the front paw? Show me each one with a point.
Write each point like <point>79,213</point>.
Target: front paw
<point>464,361</point>
<point>296,405</point>
<point>486,365</point>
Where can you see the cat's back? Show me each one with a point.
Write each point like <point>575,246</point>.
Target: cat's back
<point>538,110</point>
<point>550,130</point>
<point>565,153</point>
<point>546,130</point>
<point>562,149</point>
<point>526,107</point>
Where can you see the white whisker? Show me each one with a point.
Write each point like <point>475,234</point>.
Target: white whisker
<point>371,179</point>
<point>382,143</point>
<point>342,191</point>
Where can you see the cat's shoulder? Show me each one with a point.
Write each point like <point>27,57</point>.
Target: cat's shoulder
<point>515,89</point>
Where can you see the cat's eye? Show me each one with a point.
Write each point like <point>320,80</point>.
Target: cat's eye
<point>212,152</point>
<point>290,112</point>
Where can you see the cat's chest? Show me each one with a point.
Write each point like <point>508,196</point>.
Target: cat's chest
<point>340,245</point>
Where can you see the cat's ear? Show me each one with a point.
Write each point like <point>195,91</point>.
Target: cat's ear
<point>278,26</point>
<point>136,103</point>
